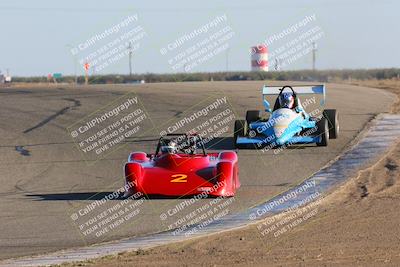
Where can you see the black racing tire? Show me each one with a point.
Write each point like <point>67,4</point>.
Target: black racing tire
<point>252,116</point>
<point>323,131</point>
<point>240,130</point>
<point>332,116</point>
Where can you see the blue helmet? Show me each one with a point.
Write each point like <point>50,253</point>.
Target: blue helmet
<point>286,100</point>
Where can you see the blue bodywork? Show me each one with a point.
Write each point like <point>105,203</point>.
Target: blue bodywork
<point>285,126</point>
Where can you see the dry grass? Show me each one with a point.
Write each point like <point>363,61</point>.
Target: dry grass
<point>392,86</point>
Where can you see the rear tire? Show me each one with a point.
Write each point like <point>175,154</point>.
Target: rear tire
<point>323,132</point>
<point>252,116</point>
<point>332,117</point>
<point>240,130</point>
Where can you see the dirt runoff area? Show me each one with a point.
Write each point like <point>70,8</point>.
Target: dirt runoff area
<point>358,225</point>
<point>392,86</point>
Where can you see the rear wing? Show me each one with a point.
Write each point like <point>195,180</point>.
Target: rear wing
<point>299,90</point>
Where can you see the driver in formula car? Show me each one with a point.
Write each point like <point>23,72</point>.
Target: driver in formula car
<point>288,100</point>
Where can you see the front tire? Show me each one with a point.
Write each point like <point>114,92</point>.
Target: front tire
<point>252,116</point>
<point>332,117</point>
<point>323,132</point>
<point>240,130</point>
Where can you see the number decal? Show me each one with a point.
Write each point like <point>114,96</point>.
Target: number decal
<point>179,178</point>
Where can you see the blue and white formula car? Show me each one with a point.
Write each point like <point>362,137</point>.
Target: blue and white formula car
<point>288,122</point>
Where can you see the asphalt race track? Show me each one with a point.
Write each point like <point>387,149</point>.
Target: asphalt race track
<point>45,179</point>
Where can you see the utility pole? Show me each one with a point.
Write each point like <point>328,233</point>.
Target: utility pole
<point>276,66</point>
<point>75,72</point>
<point>130,58</point>
<point>314,52</point>
<point>73,52</point>
<point>227,60</point>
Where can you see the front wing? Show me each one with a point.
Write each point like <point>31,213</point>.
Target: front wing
<point>264,140</point>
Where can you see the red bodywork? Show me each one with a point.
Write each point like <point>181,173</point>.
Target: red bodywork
<point>183,174</point>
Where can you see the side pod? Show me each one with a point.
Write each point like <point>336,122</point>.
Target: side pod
<point>133,176</point>
<point>225,171</point>
<point>228,155</point>
<point>138,156</point>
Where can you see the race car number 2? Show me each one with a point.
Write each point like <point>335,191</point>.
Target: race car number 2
<point>179,178</point>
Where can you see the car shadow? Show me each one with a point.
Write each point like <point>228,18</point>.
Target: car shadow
<point>220,143</point>
<point>177,197</point>
<point>276,148</point>
<point>71,196</point>
<point>92,196</point>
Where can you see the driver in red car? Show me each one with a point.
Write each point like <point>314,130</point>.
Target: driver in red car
<point>169,148</point>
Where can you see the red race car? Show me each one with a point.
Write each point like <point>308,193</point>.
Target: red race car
<point>178,168</point>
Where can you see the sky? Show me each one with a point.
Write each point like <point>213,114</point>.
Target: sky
<point>41,37</point>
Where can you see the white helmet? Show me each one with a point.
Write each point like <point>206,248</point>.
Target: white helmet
<point>170,148</point>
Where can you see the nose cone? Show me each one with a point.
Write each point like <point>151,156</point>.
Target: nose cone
<point>280,122</point>
<point>279,129</point>
<point>280,141</point>
<point>281,133</point>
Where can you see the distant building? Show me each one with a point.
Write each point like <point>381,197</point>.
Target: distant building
<point>7,79</point>
<point>259,58</point>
